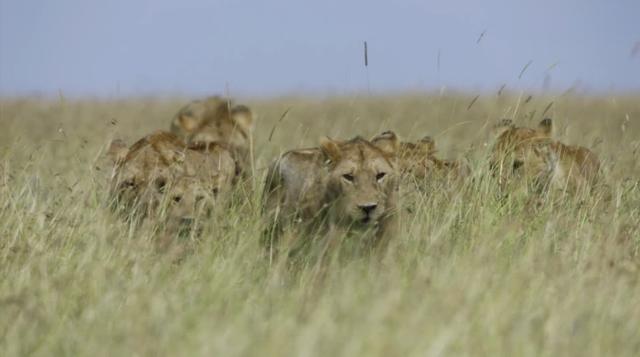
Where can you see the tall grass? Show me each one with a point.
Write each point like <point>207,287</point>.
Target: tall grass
<point>468,274</point>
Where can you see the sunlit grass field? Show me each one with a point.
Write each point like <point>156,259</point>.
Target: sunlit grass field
<point>468,274</point>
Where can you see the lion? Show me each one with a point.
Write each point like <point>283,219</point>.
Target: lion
<point>419,162</point>
<point>532,154</point>
<point>159,174</point>
<point>340,186</point>
<point>217,120</point>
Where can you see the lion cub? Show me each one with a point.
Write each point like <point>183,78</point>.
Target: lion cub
<point>217,120</point>
<point>532,154</point>
<point>418,161</point>
<point>346,185</point>
<point>159,172</point>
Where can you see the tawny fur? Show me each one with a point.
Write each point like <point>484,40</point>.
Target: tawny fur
<point>218,120</point>
<point>419,162</point>
<point>534,154</point>
<point>160,171</point>
<point>343,185</point>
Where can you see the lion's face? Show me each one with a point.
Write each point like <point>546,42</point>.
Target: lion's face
<point>162,178</point>
<point>522,154</point>
<point>178,200</point>
<point>212,165</point>
<point>362,177</point>
<point>186,198</point>
<point>140,178</point>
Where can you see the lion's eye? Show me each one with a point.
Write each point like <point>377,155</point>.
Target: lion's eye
<point>380,175</point>
<point>215,192</point>
<point>348,177</point>
<point>161,184</point>
<point>128,184</point>
<point>176,199</point>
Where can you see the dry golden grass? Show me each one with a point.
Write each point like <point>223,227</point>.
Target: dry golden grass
<point>468,275</point>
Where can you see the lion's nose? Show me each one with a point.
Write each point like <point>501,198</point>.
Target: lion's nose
<point>367,208</point>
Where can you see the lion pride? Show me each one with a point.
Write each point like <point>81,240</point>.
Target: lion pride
<point>340,186</point>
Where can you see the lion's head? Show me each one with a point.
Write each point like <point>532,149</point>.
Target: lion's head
<point>217,120</point>
<point>159,174</point>
<point>522,154</point>
<point>362,177</point>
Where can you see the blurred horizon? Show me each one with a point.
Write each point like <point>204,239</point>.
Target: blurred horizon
<point>248,48</point>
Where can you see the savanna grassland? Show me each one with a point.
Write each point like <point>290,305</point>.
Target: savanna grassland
<point>470,273</point>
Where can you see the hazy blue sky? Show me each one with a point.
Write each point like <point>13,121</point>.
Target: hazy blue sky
<point>123,47</point>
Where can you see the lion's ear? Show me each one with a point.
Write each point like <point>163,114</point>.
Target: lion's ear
<point>387,142</point>
<point>501,126</point>
<point>330,148</point>
<point>117,151</point>
<point>427,144</point>
<point>187,122</point>
<point>545,127</point>
<point>243,117</point>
